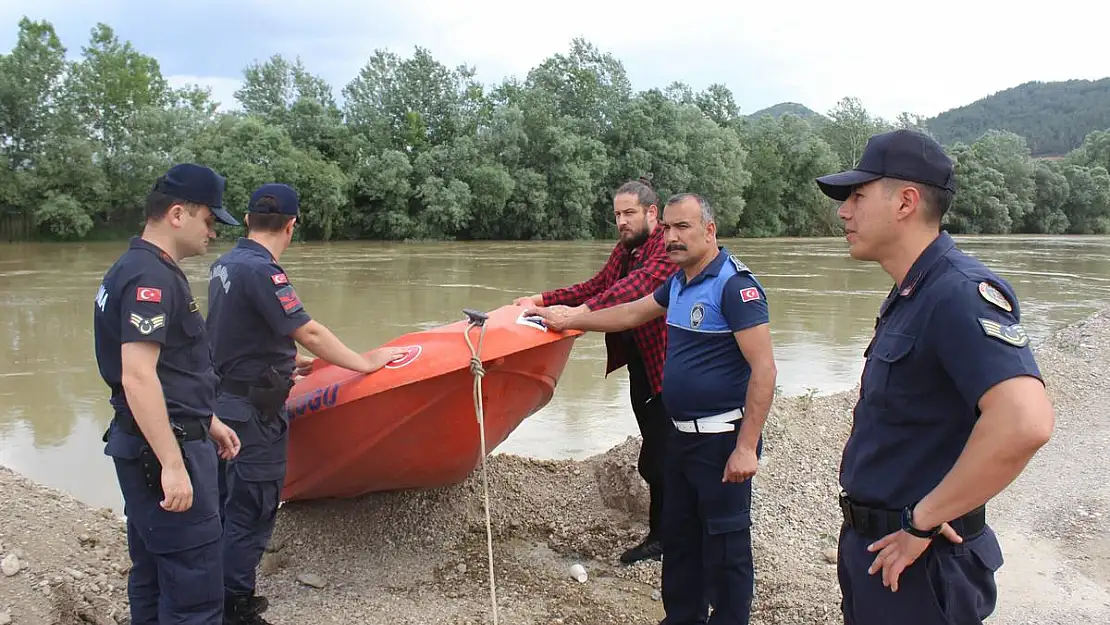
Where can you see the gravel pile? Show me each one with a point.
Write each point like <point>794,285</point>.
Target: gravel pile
<point>420,557</point>
<point>61,562</point>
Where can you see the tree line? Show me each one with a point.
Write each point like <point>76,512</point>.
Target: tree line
<point>420,150</point>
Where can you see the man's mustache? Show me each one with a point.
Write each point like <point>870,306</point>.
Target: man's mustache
<point>675,246</point>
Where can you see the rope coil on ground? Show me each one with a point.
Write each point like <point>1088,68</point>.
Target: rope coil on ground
<point>479,371</point>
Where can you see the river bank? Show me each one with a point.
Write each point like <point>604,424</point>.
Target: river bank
<point>420,557</point>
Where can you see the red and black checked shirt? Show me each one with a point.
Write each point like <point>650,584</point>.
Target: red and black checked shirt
<point>648,267</point>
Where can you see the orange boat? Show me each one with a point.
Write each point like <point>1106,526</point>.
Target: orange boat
<point>414,424</point>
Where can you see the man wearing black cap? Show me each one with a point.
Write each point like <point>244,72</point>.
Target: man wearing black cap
<point>951,404</point>
<point>153,354</point>
<point>254,318</point>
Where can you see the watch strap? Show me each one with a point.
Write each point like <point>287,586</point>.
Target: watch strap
<point>907,525</point>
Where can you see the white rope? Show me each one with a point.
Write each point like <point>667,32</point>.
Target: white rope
<point>478,370</point>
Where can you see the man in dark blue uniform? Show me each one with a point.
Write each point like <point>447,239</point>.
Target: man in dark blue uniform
<point>254,318</point>
<point>718,383</point>
<point>951,404</point>
<point>153,354</point>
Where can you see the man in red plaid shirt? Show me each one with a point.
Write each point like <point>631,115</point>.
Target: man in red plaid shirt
<point>638,265</point>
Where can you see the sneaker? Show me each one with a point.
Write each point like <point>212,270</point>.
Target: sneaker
<point>650,549</point>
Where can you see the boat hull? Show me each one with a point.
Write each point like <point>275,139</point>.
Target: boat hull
<point>414,424</point>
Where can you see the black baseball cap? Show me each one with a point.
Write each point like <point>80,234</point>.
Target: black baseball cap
<point>198,184</point>
<point>902,154</point>
<point>285,200</point>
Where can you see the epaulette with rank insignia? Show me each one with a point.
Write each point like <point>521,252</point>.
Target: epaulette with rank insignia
<point>740,266</point>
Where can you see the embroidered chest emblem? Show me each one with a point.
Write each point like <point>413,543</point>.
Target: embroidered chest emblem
<point>697,315</point>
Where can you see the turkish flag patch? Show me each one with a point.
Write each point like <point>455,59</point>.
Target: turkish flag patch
<point>148,294</point>
<point>749,294</point>
<point>279,278</point>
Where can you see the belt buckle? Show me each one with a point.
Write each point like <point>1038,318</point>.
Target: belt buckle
<point>178,430</point>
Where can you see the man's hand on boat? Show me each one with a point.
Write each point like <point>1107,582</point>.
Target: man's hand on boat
<point>304,365</point>
<point>557,320</point>
<point>383,356</point>
<point>529,301</point>
<point>227,441</point>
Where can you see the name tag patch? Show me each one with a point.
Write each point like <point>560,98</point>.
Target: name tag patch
<point>147,325</point>
<point>1013,334</point>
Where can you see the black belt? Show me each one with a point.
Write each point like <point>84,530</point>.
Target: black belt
<point>235,387</point>
<point>183,429</point>
<point>878,522</point>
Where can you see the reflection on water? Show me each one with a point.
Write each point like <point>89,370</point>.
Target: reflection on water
<point>822,303</point>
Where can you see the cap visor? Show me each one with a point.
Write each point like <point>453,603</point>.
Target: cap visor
<point>839,186</point>
<point>224,217</point>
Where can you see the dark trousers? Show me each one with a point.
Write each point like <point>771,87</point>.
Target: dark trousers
<point>948,584</point>
<point>252,484</point>
<point>176,569</point>
<point>707,545</point>
<point>655,427</point>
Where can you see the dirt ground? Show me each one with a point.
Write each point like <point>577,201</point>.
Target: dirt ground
<point>420,557</point>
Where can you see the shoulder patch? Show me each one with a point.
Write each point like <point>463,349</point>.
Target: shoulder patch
<point>749,294</point>
<point>994,296</point>
<point>290,303</point>
<point>148,294</point>
<point>1013,334</point>
<point>146,326</point>
<point>279,278</point>
<point>740,266</point>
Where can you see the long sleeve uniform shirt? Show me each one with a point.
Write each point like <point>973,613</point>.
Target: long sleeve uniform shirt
<point>627,276</point>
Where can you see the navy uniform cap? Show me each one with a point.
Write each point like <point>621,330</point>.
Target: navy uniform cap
<point>197,184</point>
<point>902,154</point>
<point>284,200</point>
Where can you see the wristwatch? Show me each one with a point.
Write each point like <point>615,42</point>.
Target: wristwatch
<point>907,524</point>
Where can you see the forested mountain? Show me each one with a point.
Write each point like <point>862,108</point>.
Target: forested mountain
<point>784,108</point>
<point>1053,117</point>
<point>420,150</point>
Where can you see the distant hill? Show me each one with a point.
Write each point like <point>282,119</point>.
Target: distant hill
<point>782,108</point>
<point>1054,117</point>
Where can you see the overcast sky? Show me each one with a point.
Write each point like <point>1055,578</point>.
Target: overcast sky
<point>926,58</point>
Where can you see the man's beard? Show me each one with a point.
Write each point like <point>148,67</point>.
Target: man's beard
<point>637,239</point>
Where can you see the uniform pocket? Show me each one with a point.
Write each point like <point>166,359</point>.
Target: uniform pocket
<point>198,349</point>
<point>196,581</point>
<point>968,568</point>
<point>171,532</point>
<point>887,354</point>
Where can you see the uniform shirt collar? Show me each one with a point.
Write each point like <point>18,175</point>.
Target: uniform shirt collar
<point>925,262</point>
<point>139,243</point>
<point>711,270</point>
<point>254,246</point>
